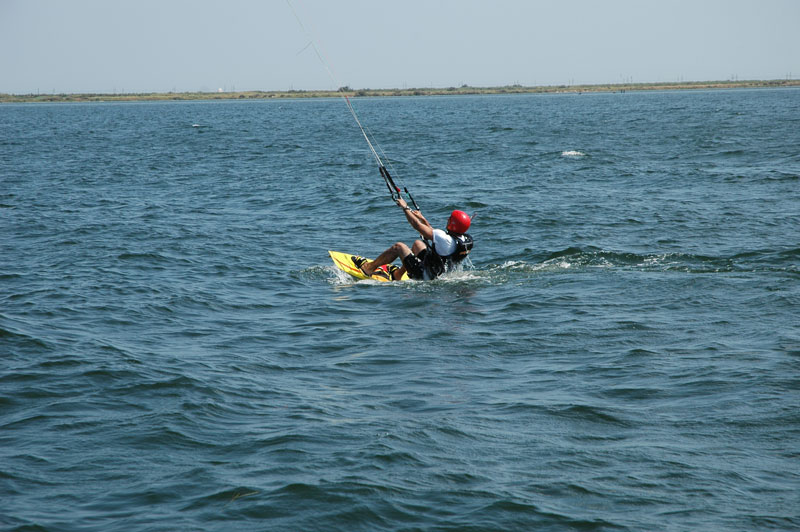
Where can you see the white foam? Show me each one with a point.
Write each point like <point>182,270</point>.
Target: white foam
<point>459,275</point>
<point>514,265</point>
<point>340,277</point>
<point>572,153</point>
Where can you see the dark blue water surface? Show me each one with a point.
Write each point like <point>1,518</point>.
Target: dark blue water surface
<point>623,353</point>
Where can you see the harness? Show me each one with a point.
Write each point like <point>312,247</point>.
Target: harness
<point>436,264</point>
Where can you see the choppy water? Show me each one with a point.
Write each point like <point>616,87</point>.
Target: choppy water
<point>177,353</point>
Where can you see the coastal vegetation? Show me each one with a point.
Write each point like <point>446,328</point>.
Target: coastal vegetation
<point>347,91</point>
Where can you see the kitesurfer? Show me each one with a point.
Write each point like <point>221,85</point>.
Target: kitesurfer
<point>427,259</point>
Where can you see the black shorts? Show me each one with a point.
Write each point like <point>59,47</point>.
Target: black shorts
<point>415,265</point>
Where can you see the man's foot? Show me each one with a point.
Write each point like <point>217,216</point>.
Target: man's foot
<point>393,272</point>
<point>359,263</point>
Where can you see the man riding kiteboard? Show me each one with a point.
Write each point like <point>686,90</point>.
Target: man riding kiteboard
<point>439,252</point>
<point>426,259</point>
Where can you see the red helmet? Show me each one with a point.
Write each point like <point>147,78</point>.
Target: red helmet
<point>459,222</point>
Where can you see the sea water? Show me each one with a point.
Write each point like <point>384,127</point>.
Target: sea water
<point>622,352</point>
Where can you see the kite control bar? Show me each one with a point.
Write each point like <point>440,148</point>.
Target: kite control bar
<point>394,190</point>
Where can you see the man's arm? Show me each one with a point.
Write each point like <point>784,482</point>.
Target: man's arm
<point>417,221</point>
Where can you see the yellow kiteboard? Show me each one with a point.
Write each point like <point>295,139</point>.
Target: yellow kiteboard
<point>344,261</point>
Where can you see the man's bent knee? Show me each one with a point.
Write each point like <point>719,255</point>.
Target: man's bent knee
<point>401,249</point>
<point>419,245</point>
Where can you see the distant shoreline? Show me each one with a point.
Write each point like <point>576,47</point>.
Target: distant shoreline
<point>359,93</point>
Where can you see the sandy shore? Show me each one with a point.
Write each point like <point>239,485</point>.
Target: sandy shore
<point>465,89</point>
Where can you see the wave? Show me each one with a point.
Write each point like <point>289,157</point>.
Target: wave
<point>151,258</point>
<point>780,175</point>
<point>572,153</point>
<point>357,502</point>
<point>579,258</point>
<point>13,337</point>
<point>465,274</point>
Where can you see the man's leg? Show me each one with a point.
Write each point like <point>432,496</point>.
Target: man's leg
<point>387,257</point>
<point>418,247</point>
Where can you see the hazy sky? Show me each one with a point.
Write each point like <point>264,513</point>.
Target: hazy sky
<point>189,45</point>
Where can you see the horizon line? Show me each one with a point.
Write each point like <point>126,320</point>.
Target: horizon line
<point>419,91</point>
